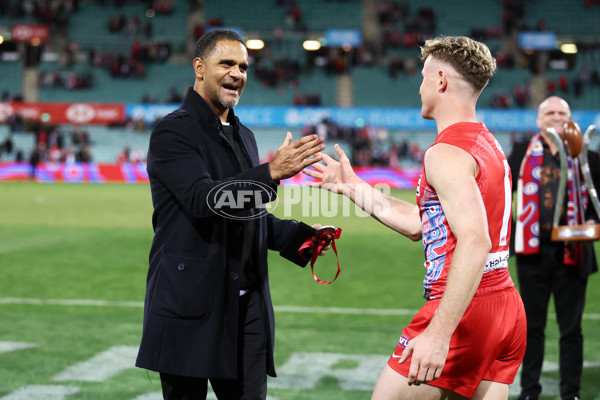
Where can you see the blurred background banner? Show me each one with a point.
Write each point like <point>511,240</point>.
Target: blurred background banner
<point>274,116</point>
<point>77,172</point>
<point>127,172</point>
<point>64,113</point>
<point>388,117</point>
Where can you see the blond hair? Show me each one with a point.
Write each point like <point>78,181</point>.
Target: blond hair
<point>470,58</point>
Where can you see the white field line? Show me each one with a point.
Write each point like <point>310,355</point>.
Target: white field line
<point>102,366</point>
<point>289,309</point>
<point>7,347</point>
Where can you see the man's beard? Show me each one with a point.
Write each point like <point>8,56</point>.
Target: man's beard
<point>227,103</point>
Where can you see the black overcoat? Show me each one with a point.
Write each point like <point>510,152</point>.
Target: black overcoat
<point>192,290</point>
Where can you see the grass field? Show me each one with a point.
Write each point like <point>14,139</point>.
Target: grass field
<point>73,262</point>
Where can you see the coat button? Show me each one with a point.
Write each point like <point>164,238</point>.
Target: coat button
<point>181,267</point>
<point>234,276</point>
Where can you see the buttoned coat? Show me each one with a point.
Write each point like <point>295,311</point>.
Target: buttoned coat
<point>192,293</point>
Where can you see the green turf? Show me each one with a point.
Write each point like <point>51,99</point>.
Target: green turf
<point>91,242</point>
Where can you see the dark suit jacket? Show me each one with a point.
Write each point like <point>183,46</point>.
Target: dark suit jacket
<point>192,292</point>
<point>589,264</point>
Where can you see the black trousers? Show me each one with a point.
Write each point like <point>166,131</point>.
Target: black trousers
<point>251,382</point>
<point>540,276</point>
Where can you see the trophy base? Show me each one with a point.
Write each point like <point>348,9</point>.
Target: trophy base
<point>575,233</point>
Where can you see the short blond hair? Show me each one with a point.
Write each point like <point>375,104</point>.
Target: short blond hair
<point>470,58</point>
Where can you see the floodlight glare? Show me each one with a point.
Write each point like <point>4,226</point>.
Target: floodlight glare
<point>311,45</point>
<point>568,48</point>
<point>255,44</point>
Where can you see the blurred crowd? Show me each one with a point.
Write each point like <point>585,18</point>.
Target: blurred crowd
<point>369,145</point>
<point>402,27</point>
<point>50,144</point>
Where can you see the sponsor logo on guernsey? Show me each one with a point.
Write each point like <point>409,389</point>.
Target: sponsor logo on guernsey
<point>496,261</point>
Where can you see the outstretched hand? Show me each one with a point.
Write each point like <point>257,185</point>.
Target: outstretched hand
<point>335,176</point>
<point>293,157</point>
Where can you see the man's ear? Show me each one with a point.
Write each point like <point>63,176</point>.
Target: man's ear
<point>199,68</point>
<point>442,81</point>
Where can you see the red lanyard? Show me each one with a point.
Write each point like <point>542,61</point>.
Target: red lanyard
<point>318,246</point>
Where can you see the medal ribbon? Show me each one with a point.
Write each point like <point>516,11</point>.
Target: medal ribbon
<point>318,246</point>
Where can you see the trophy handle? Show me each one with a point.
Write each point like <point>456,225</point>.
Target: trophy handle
<point>577,232</point>
<point>562,182</point>
<point>585,168</point>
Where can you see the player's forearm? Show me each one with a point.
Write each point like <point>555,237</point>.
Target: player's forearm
<point>402,217</point>
<point>399,215</point>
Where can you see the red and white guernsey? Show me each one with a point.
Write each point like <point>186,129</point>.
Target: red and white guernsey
<point>494,182</point>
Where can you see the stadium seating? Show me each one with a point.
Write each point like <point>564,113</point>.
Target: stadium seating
<point>374,87</point>
<point>107,143</point>
<point>158,79</point>
<point>23,141</point>
<point>12,76</point>
<point>89,26</point>
<point>565,18</point>
<point>371,85</point>
<point>265,15</point>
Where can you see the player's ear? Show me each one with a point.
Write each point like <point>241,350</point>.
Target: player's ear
<point>442,81</point>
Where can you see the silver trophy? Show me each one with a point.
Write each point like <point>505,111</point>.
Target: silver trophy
<point>571,143</point>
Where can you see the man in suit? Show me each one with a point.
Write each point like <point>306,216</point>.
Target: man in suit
<point>546,267</point>
<point>208,312</point>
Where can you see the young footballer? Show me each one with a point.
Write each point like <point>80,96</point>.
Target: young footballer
<point>469,339</point>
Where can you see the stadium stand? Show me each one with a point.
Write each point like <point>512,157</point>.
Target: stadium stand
<point>22,143</point>
<point>153,49</point>
<point>89,27</point>
<point>374,87</point>
<point>300,15</point>
<point>12,77</point>
<point>575,19</point>
<point>130,89</point>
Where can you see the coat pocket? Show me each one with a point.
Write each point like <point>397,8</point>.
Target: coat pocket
<point>184,288</point>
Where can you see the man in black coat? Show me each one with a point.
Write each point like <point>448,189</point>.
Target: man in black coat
<point>546,267</point>
<point>208,312</point>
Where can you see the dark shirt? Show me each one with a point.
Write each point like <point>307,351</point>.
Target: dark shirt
<point>248,278</point>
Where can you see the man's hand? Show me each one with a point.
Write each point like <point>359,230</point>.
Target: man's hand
<point>335,176</point>
<point>429,351</point>
<point>328,238</point>
<point>292,158</point>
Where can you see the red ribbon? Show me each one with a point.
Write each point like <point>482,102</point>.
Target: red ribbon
<point>318,246</point>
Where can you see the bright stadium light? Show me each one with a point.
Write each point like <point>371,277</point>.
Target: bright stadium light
<point>255,44</point>
<point>311,45</point>
<point>568,48</point>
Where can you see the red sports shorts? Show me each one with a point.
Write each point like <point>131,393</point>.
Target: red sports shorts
<point>488,343</point>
